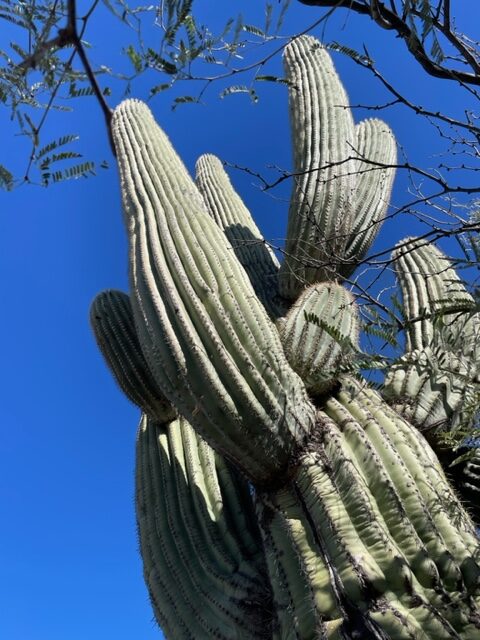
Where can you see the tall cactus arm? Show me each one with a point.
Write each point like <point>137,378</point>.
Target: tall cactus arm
<point>111,318</point>
<point>374,180</point>
<point>204,570</point>
<point>230,213</point>
<point>320,334</point>
<point>402,554</point>
<point>436,383</point>
<point>323,138</point>
<point>208,340</point>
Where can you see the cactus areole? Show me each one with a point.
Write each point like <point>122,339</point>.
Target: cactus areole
<point>278,496</point>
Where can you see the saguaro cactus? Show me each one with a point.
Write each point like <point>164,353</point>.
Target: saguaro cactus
<point>278,497</point>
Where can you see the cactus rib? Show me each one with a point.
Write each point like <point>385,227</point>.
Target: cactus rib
<point>319,335</point>
<point>112,322</point>
<point>323,136</point>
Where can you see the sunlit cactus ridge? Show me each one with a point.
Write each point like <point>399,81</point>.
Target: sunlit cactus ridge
<point>282,498</point>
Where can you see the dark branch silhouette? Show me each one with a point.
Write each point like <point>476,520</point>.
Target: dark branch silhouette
<point>391,19</point>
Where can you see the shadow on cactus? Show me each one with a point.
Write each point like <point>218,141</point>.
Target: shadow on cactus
<point>278,497</point>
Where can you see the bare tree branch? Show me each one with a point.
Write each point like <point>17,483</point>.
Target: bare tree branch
<point>390,19</point>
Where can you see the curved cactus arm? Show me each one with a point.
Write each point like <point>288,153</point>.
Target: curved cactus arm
<point>375,143</point>
<point>409,439</point>
<point>230,213</point>
<point>433,292</point>
<point>208,340</point>
<point>384,519</point>
<point>111,318</point>
<point>323,138</point>
<point>205,574</point>
<point>435,385</point>
<point>320,334</point>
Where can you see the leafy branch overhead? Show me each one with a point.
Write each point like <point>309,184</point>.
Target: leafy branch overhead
<point>48,64</point>
<point>41,75</point>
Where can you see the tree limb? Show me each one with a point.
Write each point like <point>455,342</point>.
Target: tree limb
<point>389,19</point>
<point>69,36</point>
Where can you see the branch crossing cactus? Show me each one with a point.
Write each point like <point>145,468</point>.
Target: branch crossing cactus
<point>318,334</point>
<point>278,497</point>
<point>438,378</point>
<point>229,212</point>
<point>343,174</point>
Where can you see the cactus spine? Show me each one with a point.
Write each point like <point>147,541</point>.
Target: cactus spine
<point>342,523</point>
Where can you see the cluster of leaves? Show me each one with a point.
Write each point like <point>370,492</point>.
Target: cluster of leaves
<point>422,16</point>
<point>37,77</point>
<point>217,55</point>
<point>42,74</point>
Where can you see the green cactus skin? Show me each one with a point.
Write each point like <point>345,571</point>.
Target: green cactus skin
<point>322,133</point>
<point>319,333</point>
<point>230,213</point>
<point>470,482</point>
<point>203,561</point>
<point>436,384</point>
<point>338,200</point>
<point>394,539</point>
<point>111,319</point>
<point>199,508</point>
<point>374,142</point>
<point>301,581</point>
<point>438,377</point>
<point>206,337</point>
<point>430,288</point>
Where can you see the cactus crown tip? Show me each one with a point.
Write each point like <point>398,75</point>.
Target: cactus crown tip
<point>132,107</point>
<point>208,160</point>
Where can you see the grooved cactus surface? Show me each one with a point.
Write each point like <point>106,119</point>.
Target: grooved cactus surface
<point>208,341</point>
<point>319,334</point>
<point>343,174</point>
<point>436,384</point>
<point>112,322</point>
<point>284,499</point>
<point>230,213</point>
<point>203,560</point>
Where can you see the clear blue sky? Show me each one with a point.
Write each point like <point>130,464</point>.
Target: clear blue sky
<point>68,543</point>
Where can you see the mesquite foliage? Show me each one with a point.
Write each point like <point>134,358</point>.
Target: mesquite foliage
<point>278,496</point>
